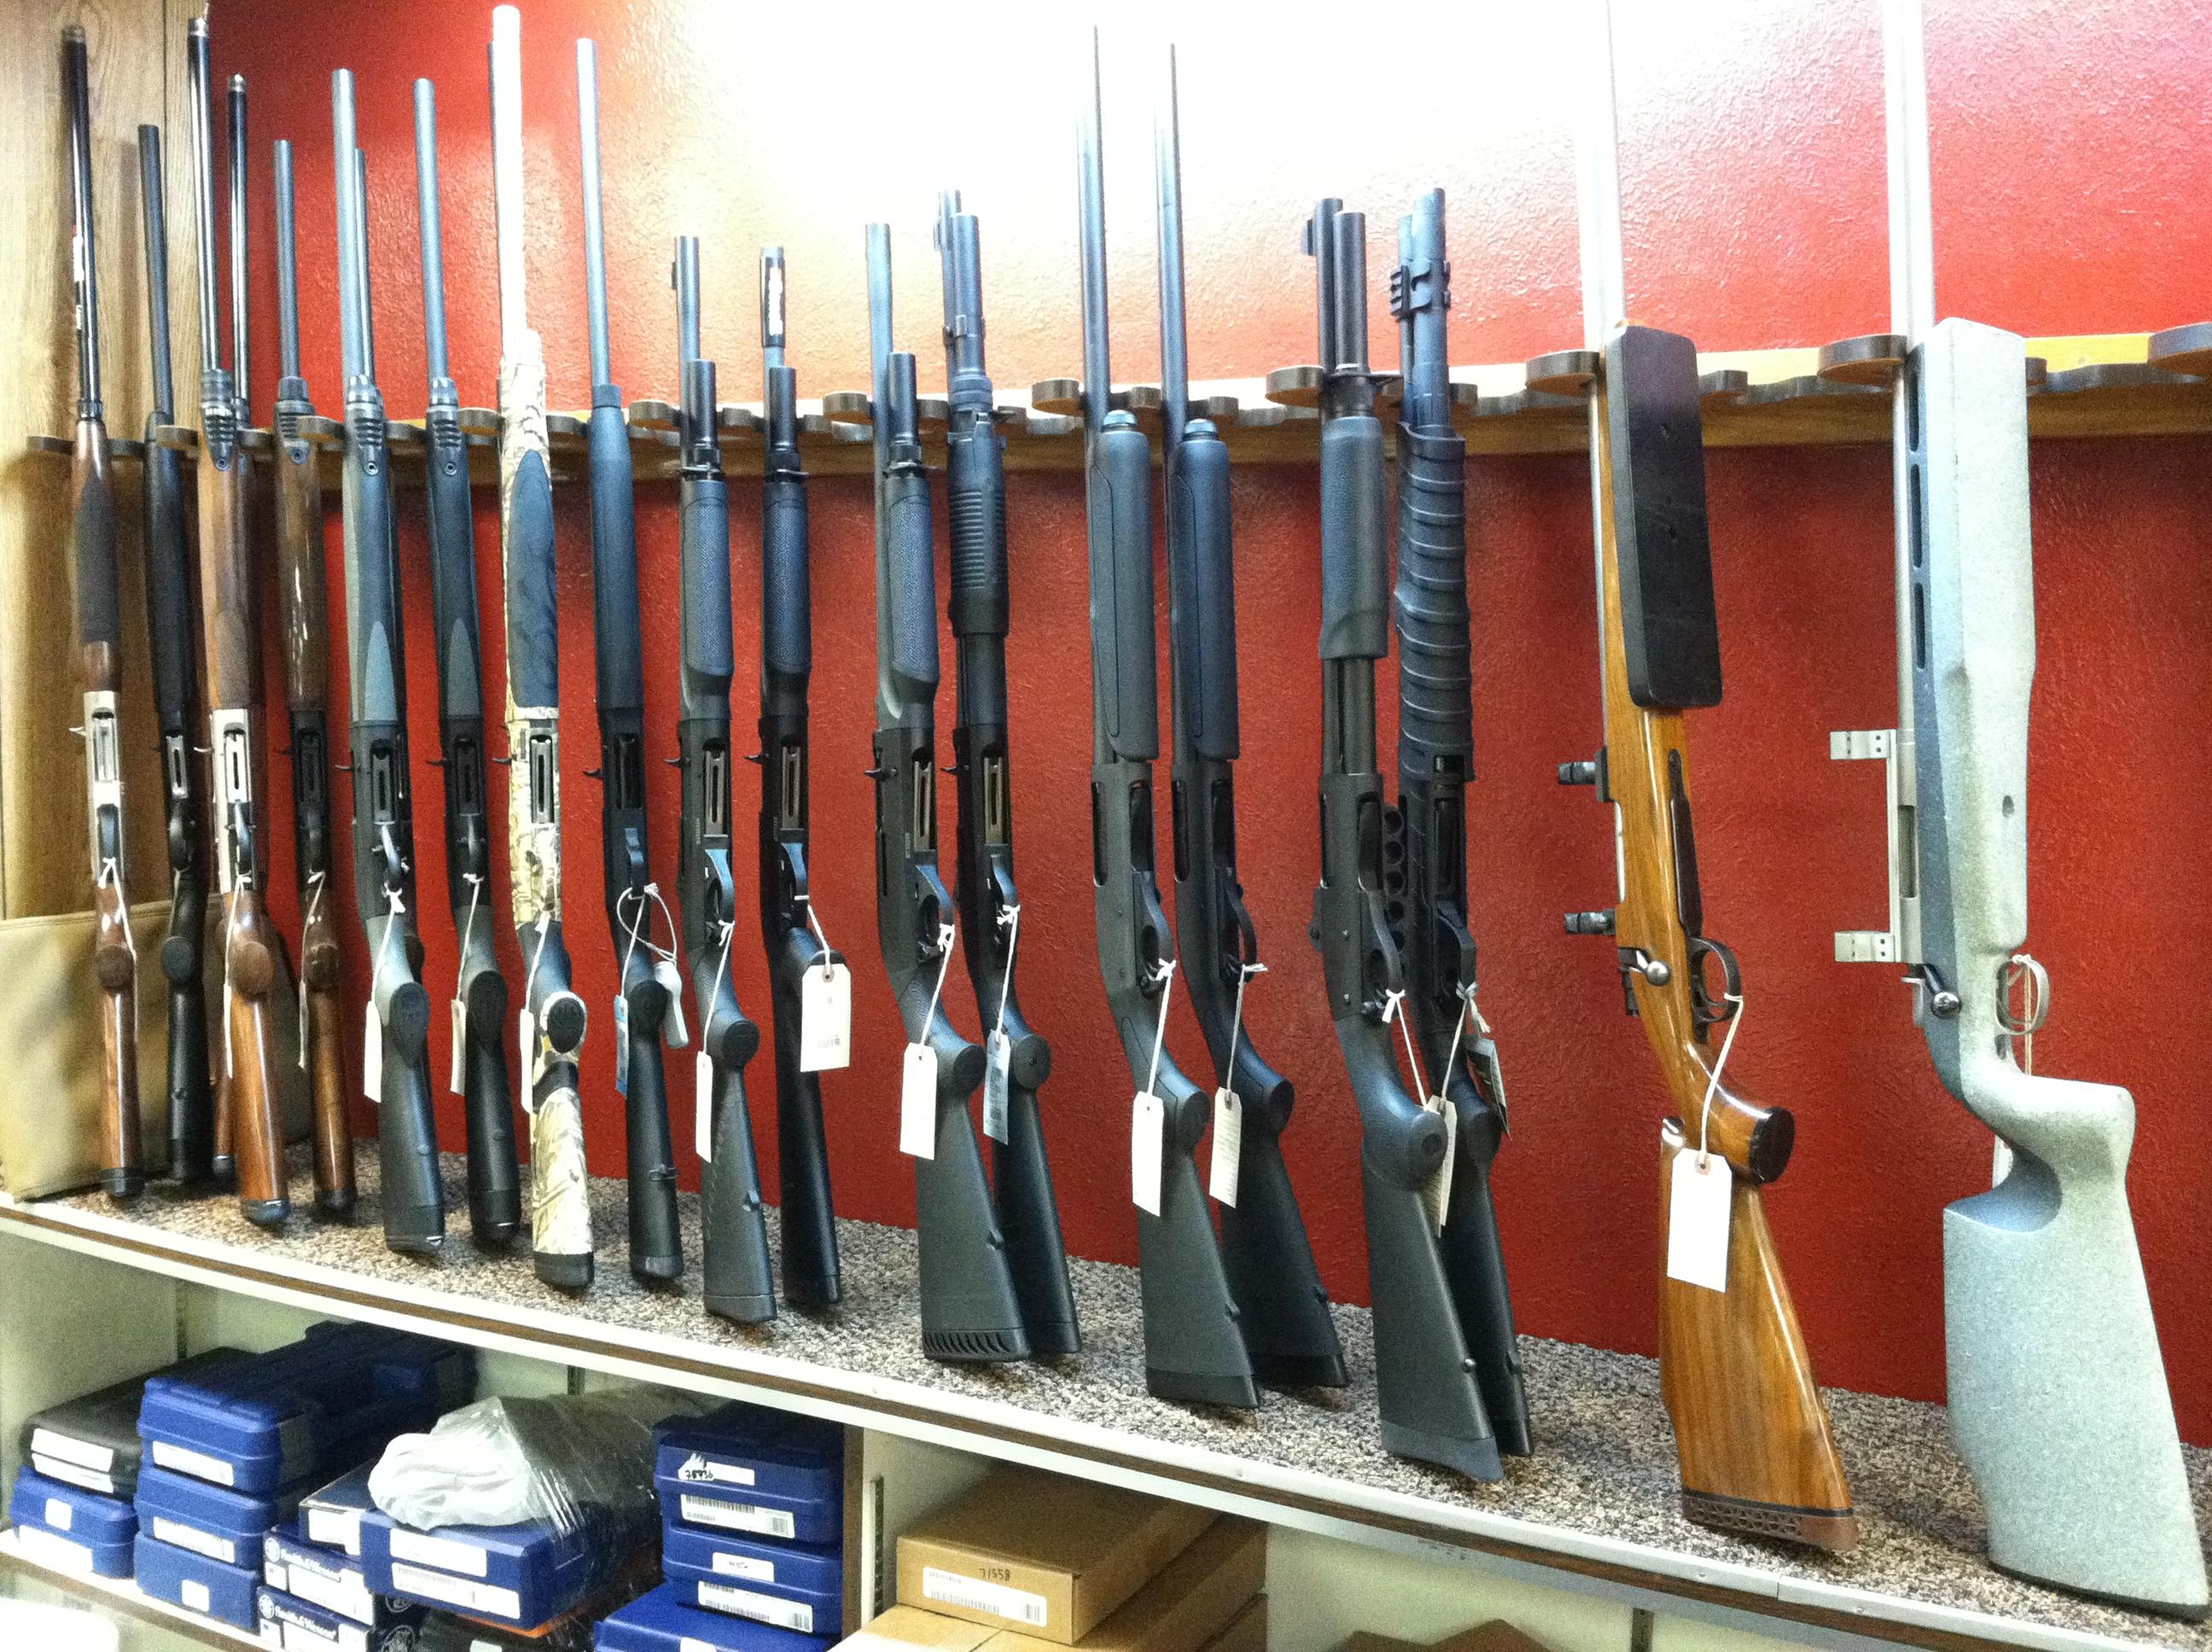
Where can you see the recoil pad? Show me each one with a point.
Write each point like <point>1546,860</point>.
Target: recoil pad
<point>1435,684</point>
<point>976,488</point>
<point>1355,564</point>
<point>1124,628</point>
<point>1205,580</point>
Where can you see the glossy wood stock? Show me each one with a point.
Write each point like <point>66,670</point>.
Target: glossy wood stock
<point>257,1135</point>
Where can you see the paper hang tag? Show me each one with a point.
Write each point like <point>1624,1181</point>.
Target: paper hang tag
<point>622,1045</point>
<point>918,1103</point>
<point>1491,1078</point>
<point>372,1053</point>
<point>1147,1134</point>
<point>1698,1220</point>
<point>702,1106</point>
<point>825,1018</point>
<point>997,1078</point>
<point>526,1043</point>
<point>457,1065</point>
<point>1228,1145</point>
<point>1437,1194</point>
<point>674,1031</point>
<point>301,1024</point>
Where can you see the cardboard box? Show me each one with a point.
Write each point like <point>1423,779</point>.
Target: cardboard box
<point>909,1629</point>
<point>1247,1630</point>
<point>1049,1557</point>
<point>1496,1636</point>
<point>1190,1601</point>
<point>1367,1641</point>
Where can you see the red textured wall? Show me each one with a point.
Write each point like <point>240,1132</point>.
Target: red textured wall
<point>2071,152</point>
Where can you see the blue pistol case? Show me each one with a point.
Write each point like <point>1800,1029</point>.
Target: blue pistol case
<point>222,1524</point>
<point>196,1582</point>
<point>661,1622</point>
<point>92,1441</point>
<point>524,1574</point>
<point>71,1528</point>
<point>795,1586</point>
<point>297,1625</point>
<point>745,1468</point>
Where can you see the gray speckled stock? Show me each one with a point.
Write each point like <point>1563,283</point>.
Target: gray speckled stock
<point>2058,1395</point>
<point>1604,1459</point>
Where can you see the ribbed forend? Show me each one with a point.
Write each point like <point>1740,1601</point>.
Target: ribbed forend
<point>975,490</point>
<point>1435,718</point>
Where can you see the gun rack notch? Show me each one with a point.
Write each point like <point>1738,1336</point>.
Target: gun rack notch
<point>2097,384</point>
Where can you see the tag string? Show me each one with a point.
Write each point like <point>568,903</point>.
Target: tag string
<point>1244,973</point>
<point>390,922</point>
<point>475,894</point>
<point>1166,978</point>
<point>1010,919</point>
<point>943,963</point>
<point>1713,1078</point>
<point>829,957</point>
<point>1466,1012</point>
<point>721,968</point>
<point>1393,1007</point>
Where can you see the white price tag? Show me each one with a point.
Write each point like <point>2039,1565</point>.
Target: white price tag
<point>1148,1119</point>
<point>1436,1195</point>
<point>457,1066</point>
<point>673,1032</point>
<point>825,1018</point>
<point>372,1053</point>
<point>998,1078</point>
<point>1228,1145</point>
<point>526,1043</point>
<point>622,1045</point>
<point>918,1103</point>
<point>1698,1220</point>
<point>702,1106</point>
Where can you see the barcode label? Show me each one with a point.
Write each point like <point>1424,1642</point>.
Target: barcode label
<point>744,1566</point>
<point>974,1595</point>
<point>199,1542</point>
<point>444,1552</point>
<point>52,1550</point>
<point>737,1516</point>
<point>45,1443</point>
<point>696,1468</point>
<point>446,1589</point>
<point>197,1464</point>
<point>762,1608</point>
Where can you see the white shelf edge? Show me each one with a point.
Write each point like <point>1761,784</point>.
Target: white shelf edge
<point>124,1589</point>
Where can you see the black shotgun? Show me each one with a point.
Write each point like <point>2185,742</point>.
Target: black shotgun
<point>1281,1306</point>
<point>968,1310</point>
<point>990,905</point>
<point>1194,1347</point>
<point>796,953</point>
<point>477,1072</point>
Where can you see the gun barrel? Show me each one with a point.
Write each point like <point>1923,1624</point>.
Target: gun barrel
<point>1175,364</point>
<point>361,287</point>
<point>595,250</point>
<point>353,345</point>
<point>240,374</point>
<point>771,305</point>
<point>685,278</point>
<point>196,75</point>
<point>288,266</point>
<point>1091,194</point>
<point>507,173</point>
<point>86,264</point>
<point>432,235</point>
<point>157,270</point>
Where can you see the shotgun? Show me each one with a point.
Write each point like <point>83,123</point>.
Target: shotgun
<point>641,996</point>
<point>968,1310</point>
<point>170,605</point>
<point>396,1044</point>
<point>2046,1316</point>
<point>798,958</point>
<point>231,654</point>
<point>478,1072</point>
<point>990,903</point>
<point>100,675</point>
<point>552,1024</point>
<point>734,1224</point>
<point>1281,1305</point>
<point>1757,1453</point>
<point>303,616</point>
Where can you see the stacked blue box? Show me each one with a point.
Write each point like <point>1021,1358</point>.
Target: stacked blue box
<point>210,1520</point>
<point>795,1586</point>
<point>197,1583</point>
<point>746,1469</point>
<point>74,1530</point>
<point>297,1625</point>
<point>662,1622</point>
<point>524,1575</point>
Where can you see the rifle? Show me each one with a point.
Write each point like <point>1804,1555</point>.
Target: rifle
<point>733,1223</point>
<point>2046,1316</point>
<point>968,1310</point>
<point>641,999</point>
<point>100,675</point>
<point>1282,1308</point>
<point>553,1017</point>
<point>809,1217</point>
<point>1194,1348</point>
<point>990,904</point>
<point>304,619</point>
<point>1757,1453</point>
<point>170,602</point>
<point>397,1042</point>
<point>251,1097</point>
<point>478,1072</point>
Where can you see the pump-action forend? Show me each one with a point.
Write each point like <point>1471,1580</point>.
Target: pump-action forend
<point>173,648</point>
<point>479,1068</point>
<point>1194,1347</point>
<point>809,1220</point>
<point>984,880</point>
<point>100,675</point>
<point>656,1242</point>
<point>230,637</point>
<point>738,1281</point>
<point>968,1309</point>
<point>383,789</point>
<point>303,617</point>
<point>1282,1308</point>
<point>552,1021</point>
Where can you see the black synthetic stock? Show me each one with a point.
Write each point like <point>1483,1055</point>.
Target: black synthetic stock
<point>738,1282</point>
<point>1194,1347</point>
<point>1281,1304</point>
<point>1474,1261</point>
<point>494,1176</point>
<point>534,635</point>
<point>1124,628</point>
<point>1355,559</point>
<point>809,1220</point>
<point>656,1238</point>
<point>1670,627</point>
<point>407,1127</point>
<point>1202,588</point>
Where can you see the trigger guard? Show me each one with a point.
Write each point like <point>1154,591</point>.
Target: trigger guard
<point>1703,1010</point>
